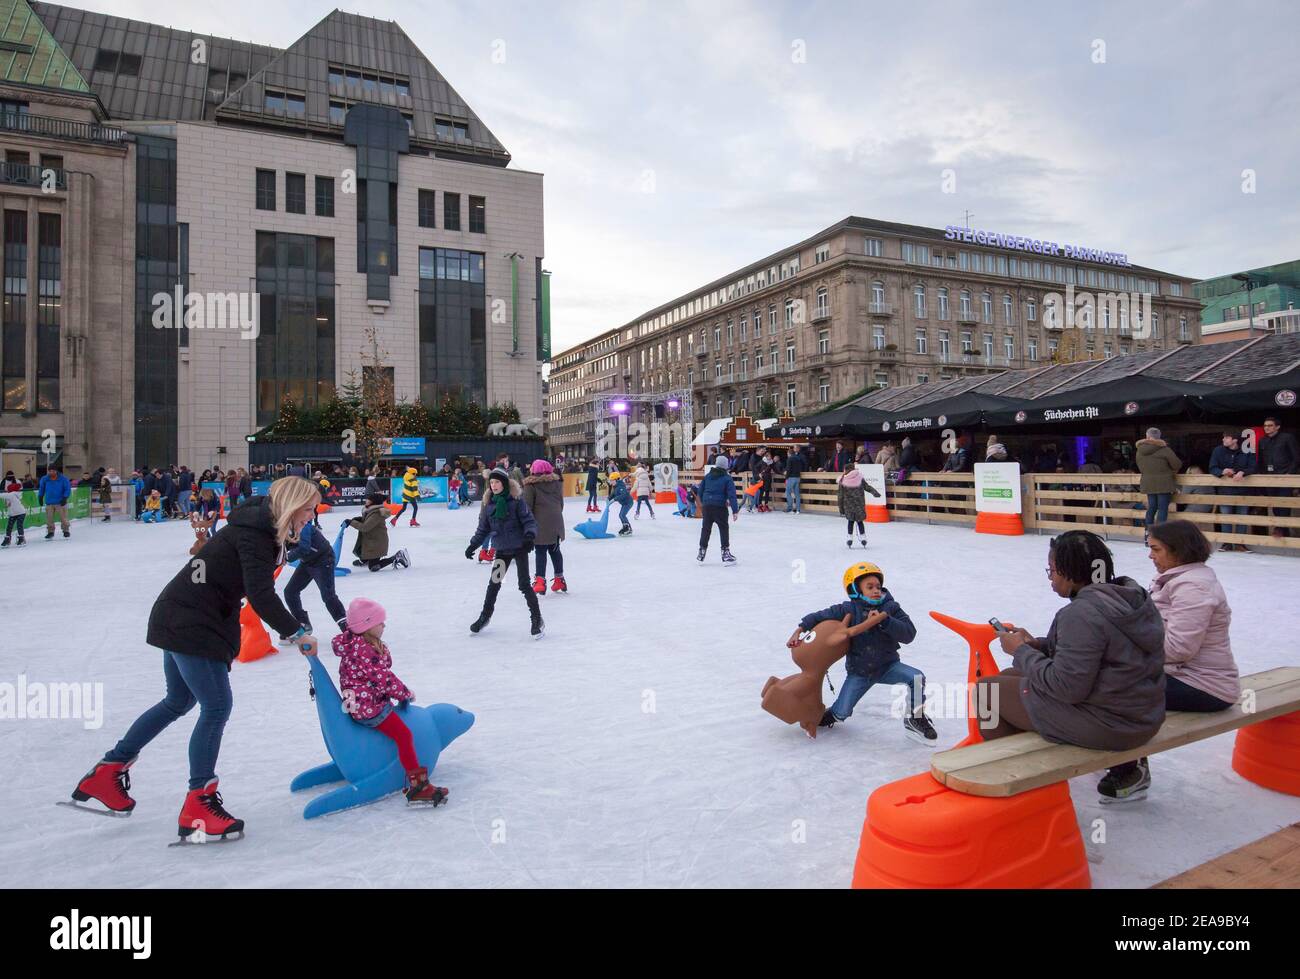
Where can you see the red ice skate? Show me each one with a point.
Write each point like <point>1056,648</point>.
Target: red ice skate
<point>107,783</point>
<point>539,585</point>
<point>204,815</point>
<point>559,585</point>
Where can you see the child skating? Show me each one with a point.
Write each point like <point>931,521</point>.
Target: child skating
<point>717,493</point>
<point>873,656</point>
<point>410,496</point>
<point>513,529</point>
<point>369,689</point>
<point>315,557</point>
<point>644,490</point>
<point>544,495</point>
<point>851,493</point>
<point>15,510</point>
<point>618,493</point>
<point>153,508</point>
<point>371,548</point>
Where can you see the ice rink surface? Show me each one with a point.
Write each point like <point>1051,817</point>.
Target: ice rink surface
<point>625,749</point>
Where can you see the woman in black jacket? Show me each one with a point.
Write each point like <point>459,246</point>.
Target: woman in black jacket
<point>195,621</point>
<point>505,518</point>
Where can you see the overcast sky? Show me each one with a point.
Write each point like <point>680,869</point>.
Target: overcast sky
<point>681,141</point>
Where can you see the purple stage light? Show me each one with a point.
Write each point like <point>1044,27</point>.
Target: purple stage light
<point>674,405</point>
<point>619,407</point>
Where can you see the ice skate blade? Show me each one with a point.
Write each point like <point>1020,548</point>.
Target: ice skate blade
<point>199,838</point>
<point>1107,800</point>
<point>921,739</point>
<point>96,812</point>
<point>434,803</point>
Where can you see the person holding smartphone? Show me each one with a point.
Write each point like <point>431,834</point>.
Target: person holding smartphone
<point>1097,679</point>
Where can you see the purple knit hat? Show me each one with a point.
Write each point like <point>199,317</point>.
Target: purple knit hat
<point>541,467</point>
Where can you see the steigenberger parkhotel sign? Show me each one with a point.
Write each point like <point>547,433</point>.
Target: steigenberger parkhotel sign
<point>953,233</point>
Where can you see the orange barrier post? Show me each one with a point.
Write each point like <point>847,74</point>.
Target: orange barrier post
<point>1268,753</point>
<point>1006,524</point>
<point>254,641</point>
<point>666,496</point>
<point>394,508</point>
<point>877,514</point>
<point>921,834</point>
<point>323,508</point>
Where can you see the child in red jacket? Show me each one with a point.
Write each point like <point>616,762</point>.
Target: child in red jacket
<point>369,686</point>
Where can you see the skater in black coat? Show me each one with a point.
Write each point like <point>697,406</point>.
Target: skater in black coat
<point>195,621</point>
<point>505,517</point>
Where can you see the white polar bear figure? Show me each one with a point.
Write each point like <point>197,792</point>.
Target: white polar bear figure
<point>517,429</point>
<point>498,428</point>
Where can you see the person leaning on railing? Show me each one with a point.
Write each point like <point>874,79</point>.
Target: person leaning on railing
<point>1279,455</point>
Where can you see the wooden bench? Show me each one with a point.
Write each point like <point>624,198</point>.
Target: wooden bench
<point>1023,762</point>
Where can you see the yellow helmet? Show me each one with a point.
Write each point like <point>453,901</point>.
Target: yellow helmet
<point>855,572</point>
<point>325,484</point>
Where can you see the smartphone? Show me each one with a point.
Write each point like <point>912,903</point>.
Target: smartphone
<point>997,626</point>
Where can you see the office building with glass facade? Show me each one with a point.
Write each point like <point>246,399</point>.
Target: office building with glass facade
<point>298,212</point>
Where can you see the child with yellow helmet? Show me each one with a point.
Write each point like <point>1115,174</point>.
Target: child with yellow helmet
<point>410,496</point>
<point>873,655</point>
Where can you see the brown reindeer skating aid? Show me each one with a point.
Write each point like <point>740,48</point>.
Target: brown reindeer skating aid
<point>202,527</point>
<point>798,699</point>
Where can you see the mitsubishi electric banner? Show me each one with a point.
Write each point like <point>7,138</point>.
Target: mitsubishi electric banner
<point>997,487</point>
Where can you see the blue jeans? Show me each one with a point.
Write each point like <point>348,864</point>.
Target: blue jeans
<point>591,497</point>
<point>855,686</point>
<point>190,680</point>
<point>1241,509</point>
<point>792,498</point>
<point>323,575</point>
<point>1157,508</point>
<point>623,511</point>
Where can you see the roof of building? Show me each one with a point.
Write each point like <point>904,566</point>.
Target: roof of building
<point>29,54</point>
<point>162,73</point>
<point>1223,364</point>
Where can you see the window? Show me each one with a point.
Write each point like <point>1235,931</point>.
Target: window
<point>945,345</point>
<point>988,347</point>
<point>1175,288</point>
<point>922,378</point>
<point>771,320</point>
<point>878,338</point>
<point>824,390</point>
<point>823,302</point>
<point>426,209</point>
<point>822,254</point>
<point>967,342</point>
<point>758,359</point>
<point>1155,326</point>
<point>918,295</point>
<point>789,353</point>
<point>730,332</point>
<point>977,262</point>
<point>717,338</point>
<point>266,190</point>
<point>1106,351</point>
<point>325,197</point>
<point>907,251</point>
<point>789,313</point>
<point>1032,343</point>
<point>1006,309</point>
<point>1182,329</point>
<point>789,397</point>
<point>296,105</point>
<point>1053,347</point>
<point>882,379</point>
<point>943,304</point>
<point>451,211</point>
<point>1009,347</point>
<point>338,113</point>
<point>878,295</point>
<point>13,347</point>
<point>824,342</point>
<point>295,193</point>
<point>335,75</point>
<point>1031,311</point>
<point>50,299</point>
<point>478,215</point>
<point>744,328</point>
<point>964,263</point>
<point>987,302</point>
<point>920,341</point>
<point>874,247</point>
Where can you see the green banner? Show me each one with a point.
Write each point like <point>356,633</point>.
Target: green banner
<point>544,341</point>
<point>78,507</point>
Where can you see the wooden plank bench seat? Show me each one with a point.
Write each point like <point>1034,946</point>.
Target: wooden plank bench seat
<point>1022,762</point>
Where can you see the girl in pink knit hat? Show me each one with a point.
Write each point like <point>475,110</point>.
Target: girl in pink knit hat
<point>369,687</point>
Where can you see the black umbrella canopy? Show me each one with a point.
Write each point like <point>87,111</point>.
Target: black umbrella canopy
<point>965,410</point>
<point>849,420</point>
<point>1135,396</point>
<point>1263,394</point>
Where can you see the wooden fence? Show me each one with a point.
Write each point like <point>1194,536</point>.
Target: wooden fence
<point>1108,504</point>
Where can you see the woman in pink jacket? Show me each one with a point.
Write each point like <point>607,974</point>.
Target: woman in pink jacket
<point>369,687</point>
<point>1200,672</point>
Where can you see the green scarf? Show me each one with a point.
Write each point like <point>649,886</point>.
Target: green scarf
<point>500,504</point>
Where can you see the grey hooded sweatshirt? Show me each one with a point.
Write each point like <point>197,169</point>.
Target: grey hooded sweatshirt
<point>1100,680</point>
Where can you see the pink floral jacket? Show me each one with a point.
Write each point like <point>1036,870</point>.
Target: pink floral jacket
<point>366,678</point>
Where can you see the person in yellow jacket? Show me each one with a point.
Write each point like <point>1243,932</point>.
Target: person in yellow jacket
<point>410,496</point>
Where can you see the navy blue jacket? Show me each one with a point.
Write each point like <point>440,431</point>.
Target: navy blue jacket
<point>1225,458</point>
<point>510,533</point>
<point>718,489</point>
<point>795,465</point>
<point>185,482</point>
<point>593,478</point>
<point>313,549</point>
<point>618,493</point>
<point>873,652</point>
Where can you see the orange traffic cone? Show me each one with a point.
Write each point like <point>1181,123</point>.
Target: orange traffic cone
<point>254,641</point>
